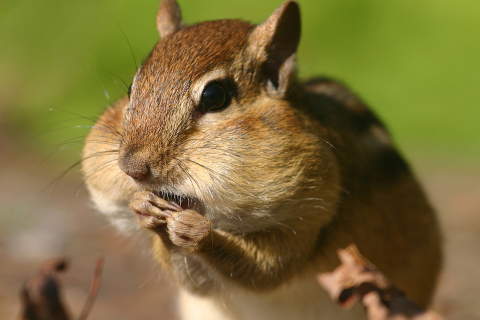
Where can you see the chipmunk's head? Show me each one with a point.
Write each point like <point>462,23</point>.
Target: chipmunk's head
<point>209,123</point>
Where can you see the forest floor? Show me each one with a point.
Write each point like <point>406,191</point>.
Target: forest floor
<point>37,225</point>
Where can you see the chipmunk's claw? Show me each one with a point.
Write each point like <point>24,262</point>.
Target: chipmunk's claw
<point>151,210</point>
<point>186,228</point>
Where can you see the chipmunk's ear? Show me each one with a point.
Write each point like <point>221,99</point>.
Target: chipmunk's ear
<point>275,42</point>
<point>169,18</point>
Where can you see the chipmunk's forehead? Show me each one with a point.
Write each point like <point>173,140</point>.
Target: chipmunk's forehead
<point>195,50</point>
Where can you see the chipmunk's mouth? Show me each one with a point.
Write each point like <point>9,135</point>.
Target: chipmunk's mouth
<point>182,201</point>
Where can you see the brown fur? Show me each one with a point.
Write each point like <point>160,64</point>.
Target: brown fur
<point>276,182</point>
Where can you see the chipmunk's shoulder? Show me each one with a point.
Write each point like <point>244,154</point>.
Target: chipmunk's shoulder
<point>355,130</point>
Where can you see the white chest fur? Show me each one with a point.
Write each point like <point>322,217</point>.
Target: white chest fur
<point>301,299</point>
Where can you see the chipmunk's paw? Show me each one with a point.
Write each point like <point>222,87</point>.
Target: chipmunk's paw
<point>188,229</point>
<point>151,210</point>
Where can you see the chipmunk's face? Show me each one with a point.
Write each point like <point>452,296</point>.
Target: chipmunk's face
<point>207,124</point>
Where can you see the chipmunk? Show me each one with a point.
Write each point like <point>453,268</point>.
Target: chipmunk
<point>249,180</point>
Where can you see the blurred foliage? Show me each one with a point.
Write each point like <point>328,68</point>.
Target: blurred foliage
<point>417,63</point>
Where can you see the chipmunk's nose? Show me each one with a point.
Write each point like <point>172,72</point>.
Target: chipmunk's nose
<point>134,165</point>
<point>137,175</point>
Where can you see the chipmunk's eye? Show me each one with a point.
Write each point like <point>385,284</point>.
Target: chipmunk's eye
<point>214,97</point>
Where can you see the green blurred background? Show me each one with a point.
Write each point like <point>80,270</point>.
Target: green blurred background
<point>417,63</point>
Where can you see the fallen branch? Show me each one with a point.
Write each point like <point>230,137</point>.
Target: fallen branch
<point>41,294</point>
<point>356,279</point>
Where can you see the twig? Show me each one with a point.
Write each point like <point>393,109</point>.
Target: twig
<point>87,307</point>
